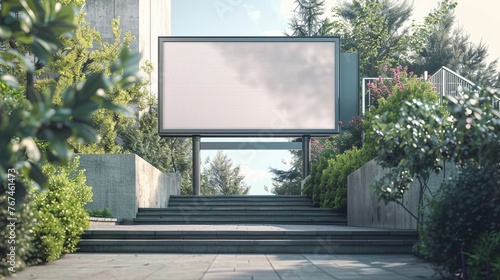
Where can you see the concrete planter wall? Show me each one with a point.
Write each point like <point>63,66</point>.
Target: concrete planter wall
<point>123,183</point>
<point>364,209</point>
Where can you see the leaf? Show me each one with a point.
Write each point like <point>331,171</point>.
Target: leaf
<point>10,80</point>
<point>84,131</point>
<point>117,108</point>
<point>85,110</point>
<point>36,174</point>
<point>5,32</point>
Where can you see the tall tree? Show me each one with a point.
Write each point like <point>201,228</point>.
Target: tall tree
<point>449,45</point>
<point>222,178</point>
<point>375,29</point>
<point>288,182</point>
<point>308,19</point>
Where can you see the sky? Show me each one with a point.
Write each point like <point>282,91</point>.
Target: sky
<point>270,18</point>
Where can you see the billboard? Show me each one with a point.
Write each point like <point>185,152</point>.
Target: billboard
<point>248,86</point>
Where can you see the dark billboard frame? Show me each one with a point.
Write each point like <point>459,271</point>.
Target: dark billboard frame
<point>257,132</point>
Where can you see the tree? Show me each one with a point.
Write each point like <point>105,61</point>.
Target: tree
<point>22,22</point>
<point>224,179</point>
<point>375,29</point>
<point>166,154</point>
<point>307,19</point>
<point>39,27</point>
<point>288,182</point>
<point>378,31</point>
<point>452,47</point>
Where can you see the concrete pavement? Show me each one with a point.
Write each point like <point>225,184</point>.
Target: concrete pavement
<point>230,267</point>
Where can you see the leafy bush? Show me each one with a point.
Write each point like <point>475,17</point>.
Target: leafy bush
<point>24,251</point>
<point>333,182</point>
<point>466,207</point>
<point>324,149</point>
<point>310,190</point>
<point>98,213</point>
<point>483,262</point>
<point>389,95</point>
<point>469,205</point>
<point>61,216</point>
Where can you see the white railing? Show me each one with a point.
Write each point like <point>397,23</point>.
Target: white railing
<point>449,83</point>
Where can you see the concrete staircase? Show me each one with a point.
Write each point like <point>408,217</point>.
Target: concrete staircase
<point>245,224</point>
<point>288,210</point>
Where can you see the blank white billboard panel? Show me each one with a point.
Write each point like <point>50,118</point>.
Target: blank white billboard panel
<point>248,86</point>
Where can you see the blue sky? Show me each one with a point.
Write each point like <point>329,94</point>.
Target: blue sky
<point>270,18</point>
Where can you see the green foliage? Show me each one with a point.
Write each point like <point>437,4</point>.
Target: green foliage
<point>108,124</point>
<point>448,45</point>
<point>388,94</point>
<point>410,148</point>
<point>380,33</point>
<point>40,27</point>
<point>288,182</point>
<point>221,178</point>
<point>483,262</point>
<point>307,19</point>
<point>61,216</point>
<point>332,189</point>
<point>166,154</point>
<point>413,147</point>
<point>24,250</point>
<point>104,213</point>
<point>311,188</point>
<point>466,207</point>
<point>475,131</point>
<point>332,161</point>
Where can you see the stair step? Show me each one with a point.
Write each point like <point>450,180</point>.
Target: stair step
<point>180,221</point>
<point>243,208</point>
<point>298,246</point>
<point>211,213</point>
<point>240,197</point>
<point>242,203</point>
<point>254,235</point>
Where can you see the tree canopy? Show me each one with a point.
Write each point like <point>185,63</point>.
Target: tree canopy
<point>221,177</point>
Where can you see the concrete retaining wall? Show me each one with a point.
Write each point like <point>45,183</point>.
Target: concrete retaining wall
<point>364,209</point>
<point>123,183</point>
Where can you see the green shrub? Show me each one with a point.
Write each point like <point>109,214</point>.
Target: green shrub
<point>313,180</point>
<point>98,213</point>
<point>388,96</point>
<point>466,207</point>
<point>24,251</point>
<point>333,182</point>
<point>319,186</point>
<point>483,262</point>
<point>61,216</point>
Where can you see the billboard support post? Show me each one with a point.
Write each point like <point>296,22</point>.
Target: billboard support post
<point>196,165</point>
<point>306,139</point>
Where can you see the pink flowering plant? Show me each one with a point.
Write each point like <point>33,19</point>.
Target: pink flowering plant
<point>337,144</point>
<point>389,80</point>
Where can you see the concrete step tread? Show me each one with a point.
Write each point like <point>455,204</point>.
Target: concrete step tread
<point>388,233</point>
<point>236,220</point>
<point>248,242</point>
<point>243,208</point>
<point>238,213</point>
<point>240,203</point>
<point>270,197</point>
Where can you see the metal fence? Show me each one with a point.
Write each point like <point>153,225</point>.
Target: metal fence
<point>449,83</point>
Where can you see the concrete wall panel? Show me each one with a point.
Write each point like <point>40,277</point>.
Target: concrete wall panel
<point>364,209</point>
<point>123,183</point>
